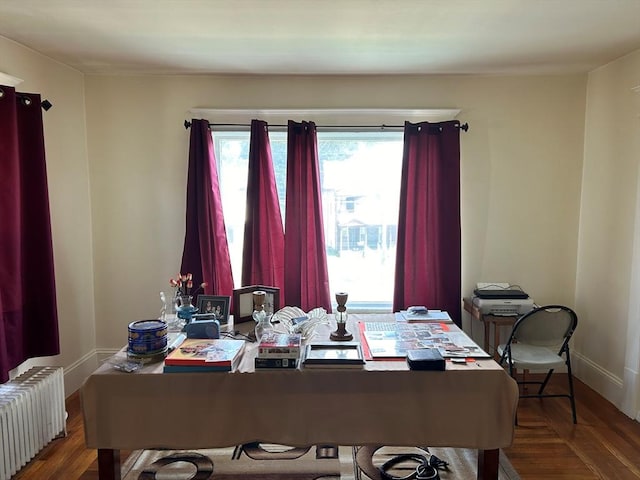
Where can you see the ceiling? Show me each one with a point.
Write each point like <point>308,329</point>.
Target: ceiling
<point>325,36</point>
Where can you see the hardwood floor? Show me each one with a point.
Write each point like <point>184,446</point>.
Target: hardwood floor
<point>605,444</point>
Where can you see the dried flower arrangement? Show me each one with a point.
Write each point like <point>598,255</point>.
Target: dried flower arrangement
<point>183,283</point>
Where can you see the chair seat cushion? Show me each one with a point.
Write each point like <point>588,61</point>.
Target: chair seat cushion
<point>533,357</point>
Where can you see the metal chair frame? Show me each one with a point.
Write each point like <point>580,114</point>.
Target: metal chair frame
<point>506,355</point>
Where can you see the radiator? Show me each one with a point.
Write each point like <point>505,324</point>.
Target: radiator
<point>32,413</point>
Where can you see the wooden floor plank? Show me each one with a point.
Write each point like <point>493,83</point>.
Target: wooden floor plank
<point>602,445</point>
<point>605,444</point>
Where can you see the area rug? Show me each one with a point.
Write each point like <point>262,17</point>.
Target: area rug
<point>271,462</point>
<point>462,463</point>
<point>251,461</point>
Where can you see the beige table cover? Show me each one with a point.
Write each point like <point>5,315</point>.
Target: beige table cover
<point>385,403</point>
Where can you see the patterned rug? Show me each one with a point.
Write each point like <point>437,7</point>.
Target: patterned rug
<point>251,461</point>
<point>462,463</point>
<point>277,462</point>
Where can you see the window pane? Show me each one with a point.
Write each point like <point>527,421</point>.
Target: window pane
<point>360,175</point>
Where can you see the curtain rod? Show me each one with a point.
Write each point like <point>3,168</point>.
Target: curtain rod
<point>187,124</point>
<point>45,104</point>
<point>26,99</point>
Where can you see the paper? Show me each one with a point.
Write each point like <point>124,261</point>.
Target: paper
<point>393,339</point>
<point>492,286</point>
<point>432,316</point>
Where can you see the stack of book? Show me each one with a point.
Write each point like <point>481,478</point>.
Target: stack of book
<point>278,350</point>
<point>203,355</point>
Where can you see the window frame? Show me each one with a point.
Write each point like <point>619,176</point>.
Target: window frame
<point>365,121</point>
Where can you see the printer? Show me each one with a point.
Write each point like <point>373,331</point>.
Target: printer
<point>501,299</point>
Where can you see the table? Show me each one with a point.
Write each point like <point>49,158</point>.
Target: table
<point>471,405</point>
<point>488,320</point>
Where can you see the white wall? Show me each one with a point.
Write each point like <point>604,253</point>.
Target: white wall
<point>521,173</point>
<point>67,170</point>
<point>117,191</point>
<point>609,258</point>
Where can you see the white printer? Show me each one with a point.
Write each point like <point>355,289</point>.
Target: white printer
<point>501,299</point>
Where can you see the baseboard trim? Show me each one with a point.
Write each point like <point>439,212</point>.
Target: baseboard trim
<point>76,373</point>
<point>631,393</point>
<point>602,381</point>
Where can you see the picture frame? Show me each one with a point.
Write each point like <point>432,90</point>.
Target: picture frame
<point>214,307</point>
<point>334,355</point>
<point>243,301</point>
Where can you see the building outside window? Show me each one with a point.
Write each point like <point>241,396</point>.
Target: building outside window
<point>360,182</point>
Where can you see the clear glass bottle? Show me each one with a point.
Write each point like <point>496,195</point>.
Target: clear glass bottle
<point>263,323</point>
<point>261,317</point>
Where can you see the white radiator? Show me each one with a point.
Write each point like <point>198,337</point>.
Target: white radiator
<point>32,413</point>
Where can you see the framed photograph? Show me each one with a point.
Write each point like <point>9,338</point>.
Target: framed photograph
<point>243,301</point>
<point>215,305</point>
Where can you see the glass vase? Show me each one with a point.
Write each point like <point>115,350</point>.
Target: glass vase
<point>263,323</point>
<point>186,309</point>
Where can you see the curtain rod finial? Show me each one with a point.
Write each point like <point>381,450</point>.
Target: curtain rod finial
<point>187,124</point>
<point>46,105</point>
<point>465,127</point>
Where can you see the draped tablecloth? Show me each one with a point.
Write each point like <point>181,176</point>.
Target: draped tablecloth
<point>471,405</point>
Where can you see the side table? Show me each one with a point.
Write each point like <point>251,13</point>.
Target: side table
<point>488,320</point>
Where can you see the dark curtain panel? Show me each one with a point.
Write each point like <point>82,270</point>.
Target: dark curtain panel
<point>206,251</point>
<point>428,251</point>
<point>28,310</point>
<point>263,252</point>
<point>306,275</point>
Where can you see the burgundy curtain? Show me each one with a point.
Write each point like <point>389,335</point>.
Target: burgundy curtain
<point>263,252</point>
<point>306,275</point>
<point>206,251</point>
<point>428,250</point>
<point>28,310</point>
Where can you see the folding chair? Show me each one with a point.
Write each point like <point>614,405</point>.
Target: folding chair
<point>539,340</point>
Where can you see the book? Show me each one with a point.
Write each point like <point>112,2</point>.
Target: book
<point>280,345</point>
<point>195,368</point>
<point>204,352</point>
<point>417,315</point>
<point>277,363</point>
<point>333,355</point>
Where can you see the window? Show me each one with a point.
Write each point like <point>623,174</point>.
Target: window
<point>360,181</point>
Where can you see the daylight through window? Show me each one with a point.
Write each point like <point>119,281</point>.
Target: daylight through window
<point>360,180</point>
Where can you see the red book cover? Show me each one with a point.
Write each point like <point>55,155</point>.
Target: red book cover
<point>279,345</point>
<point>204,352</point>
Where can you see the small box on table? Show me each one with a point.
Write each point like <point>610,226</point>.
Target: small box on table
<point>425,359</point>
